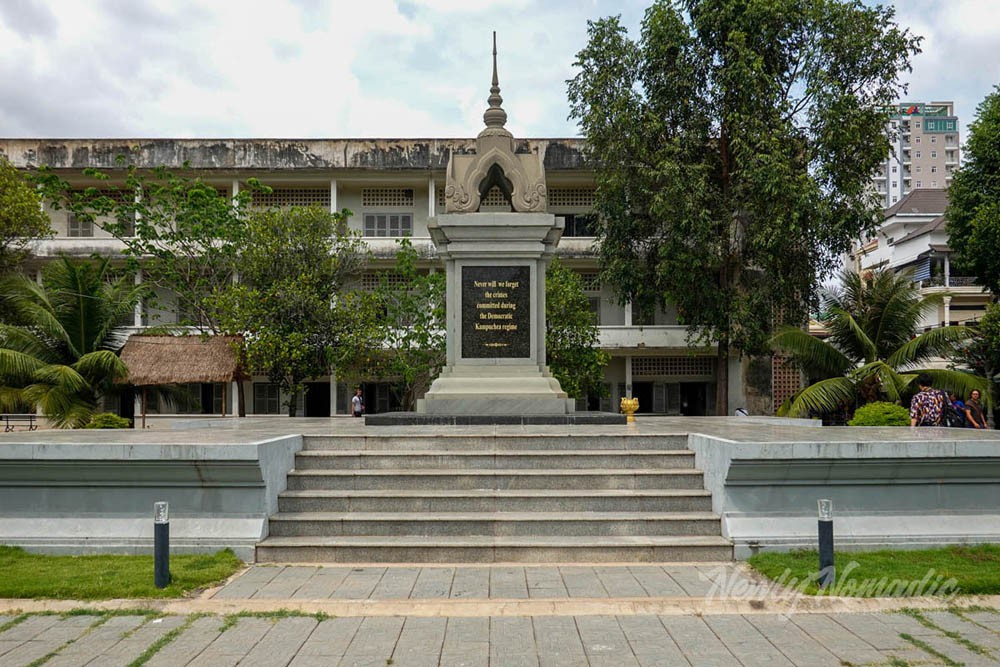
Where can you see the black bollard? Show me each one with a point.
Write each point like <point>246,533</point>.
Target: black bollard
<point>827,572</point>
<point>161,544</point>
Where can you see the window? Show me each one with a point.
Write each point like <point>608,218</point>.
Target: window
<point>917,140</point>
<point>917,125</point>
<point>78,228</point>
<point>594,302</point>
<point>266,398</point>
<point>388,224</point>
<point>894,169</point>
<point>919,184</point>
<point>895,199</point>
<point>933,184</point>
<point>933,168</point>
<point>579,224</point>
<point>918,168</point>
<point>894,184</point>
<point>933,139</point>
<point>933,153</point>
<point>917,155</point>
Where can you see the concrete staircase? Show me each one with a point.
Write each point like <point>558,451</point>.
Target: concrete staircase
<point>498,498</point>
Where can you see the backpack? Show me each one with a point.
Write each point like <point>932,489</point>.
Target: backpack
<point>951,416</point>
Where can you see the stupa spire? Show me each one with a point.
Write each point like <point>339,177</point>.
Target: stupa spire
<point>495,116</point>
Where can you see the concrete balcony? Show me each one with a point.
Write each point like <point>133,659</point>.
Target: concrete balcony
<point>78,246</point>
<point>643,338</point>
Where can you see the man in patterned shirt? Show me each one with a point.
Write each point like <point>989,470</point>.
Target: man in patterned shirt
<point>927,405</point>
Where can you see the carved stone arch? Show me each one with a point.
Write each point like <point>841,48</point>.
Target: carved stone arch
<point>495,178</point>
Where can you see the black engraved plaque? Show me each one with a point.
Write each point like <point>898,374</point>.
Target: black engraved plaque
<point>496,312</point>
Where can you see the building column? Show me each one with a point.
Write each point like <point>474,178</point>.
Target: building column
<point>628,313</point>
<point>333,393</point>
<point>333,195</point>
<point>137,314</point>
<point>628,376</point>
<point>234,390</point>
<point>947,310</point>
<point>431,197</point>
<point>947,271</point>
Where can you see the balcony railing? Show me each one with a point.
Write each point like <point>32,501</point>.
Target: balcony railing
<point>953,281</point>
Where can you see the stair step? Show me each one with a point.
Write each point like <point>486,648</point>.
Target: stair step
<point>491,500</point>
<point>591,478</point>
<point>324,524</point>
<point>512,460</point>
<point>521,441</point>
<point>489,549</point>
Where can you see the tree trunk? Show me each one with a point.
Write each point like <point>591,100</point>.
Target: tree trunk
<point>241,393</point>
<point>722,380</point>
<point>292,401</point>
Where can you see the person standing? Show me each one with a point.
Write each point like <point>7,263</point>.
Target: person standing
<point>357,404</point>
<point>927,405</point>
<point>974,412</point>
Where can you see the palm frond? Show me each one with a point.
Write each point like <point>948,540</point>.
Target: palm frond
<point>824,396</point>
<point>64,377</point>
<point>17,367</point>
<point>102,365</point>
<point>814,355</point>
<point>928,344</point>
<point>885,376</point>
<point>961,383</point>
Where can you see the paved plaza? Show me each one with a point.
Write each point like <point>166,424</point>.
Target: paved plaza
<point>572,616</point>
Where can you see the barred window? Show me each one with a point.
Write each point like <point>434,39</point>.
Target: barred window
<point>672,366</point>
<point>266,398</point>
<point>288,197</point>
<point>494,199</point>
<point>591,281</point>
<point>571,197</point>
<point>440,198</point>
<point>77,228</point>
<point>387,197</point>
<point>370,281</point>
<point>388,224</point>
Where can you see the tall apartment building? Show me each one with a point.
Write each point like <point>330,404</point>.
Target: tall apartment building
<point>925,150</point>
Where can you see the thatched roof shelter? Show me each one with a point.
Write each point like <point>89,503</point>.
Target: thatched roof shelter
<point>180,359</point>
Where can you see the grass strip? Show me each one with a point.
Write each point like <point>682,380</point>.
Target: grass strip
<point>975,570</point>
<point>107,576</point>
<point>168,637</point>
<point>21,618</point>
<point>950,634</point>
<point>927,648</point>
<point>963,613</point>
<point>38,662</point>
<point>895,661</point>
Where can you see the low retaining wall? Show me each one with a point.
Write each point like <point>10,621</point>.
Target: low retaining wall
<point>84,498</point>
<point>891,488</point>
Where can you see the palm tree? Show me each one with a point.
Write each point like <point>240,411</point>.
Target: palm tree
<point>873,352</point>
<point>60,351</point>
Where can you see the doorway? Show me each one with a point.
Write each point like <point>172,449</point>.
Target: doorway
<point>693,400</point>
<point>317,399</point>
<point>644,392</point>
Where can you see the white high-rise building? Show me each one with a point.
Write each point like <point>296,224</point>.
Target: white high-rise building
<point>925,150</point>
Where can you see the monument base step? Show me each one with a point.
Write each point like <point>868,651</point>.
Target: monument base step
<point>422,419</point>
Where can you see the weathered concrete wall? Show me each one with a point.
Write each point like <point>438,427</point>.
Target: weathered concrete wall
<point>270,154</point>
<point>99,497</point>
<point>890,488</point>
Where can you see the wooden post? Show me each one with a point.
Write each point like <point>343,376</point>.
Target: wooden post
<point>223,399</point>
<point>144,407</point>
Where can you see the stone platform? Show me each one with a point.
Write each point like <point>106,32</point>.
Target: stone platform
<point>418,419</point>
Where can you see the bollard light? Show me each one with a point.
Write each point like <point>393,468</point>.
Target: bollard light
<point>161,544</point>
<point>827,572</point>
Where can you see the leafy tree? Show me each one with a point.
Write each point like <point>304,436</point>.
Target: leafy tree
<point>973,213</point>
<point>290,303</point>
<point>733,145</point>
<point>411,331</point>
<point>183,234</point>
<point>571,334</point>
<point>873,352</point>
<point>63,356</point>
<point>21,217</point>
<point>981,353</point>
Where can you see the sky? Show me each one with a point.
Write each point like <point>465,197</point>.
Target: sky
<point>349,68</point>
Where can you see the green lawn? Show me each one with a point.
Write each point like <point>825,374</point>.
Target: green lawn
<point>975,568</point>
<point>102,577</point>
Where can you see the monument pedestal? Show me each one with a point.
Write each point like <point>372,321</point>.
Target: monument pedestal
<point>495,265</point>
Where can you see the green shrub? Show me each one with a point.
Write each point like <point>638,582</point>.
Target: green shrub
<point>107,420</point>
<point>881,414</point>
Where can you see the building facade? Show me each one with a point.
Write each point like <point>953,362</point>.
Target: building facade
<point>393,187</point>
<point>925,150</point>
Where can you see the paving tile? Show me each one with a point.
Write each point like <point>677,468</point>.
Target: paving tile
<point>690,579</point>
<point>511,635</point>
<point>322,584</point>
<point>187,645</point>
<point>331,637</point>
<point>466,658</point>
<point>462,631</point>
<point>656,582</point>
<point>236,640</point>
<point>837,639</point>
<point>129,648</point>
<point>545,582</point>
<point>359,583</point>
<point>421,636</point>
<point>433,583</point>
<point>602,637</point>
<point>972,631</point>
<point>870,629</point>
<point>583,582</point>
<point>795,644</point>
<point>29,628</point>
<point>471,582</point>
<point>97,641</point>
<point>619,582</point>
<point>557,635</point>
<point>745,642</point>
<point>649,640</point>
<point>696,641</point>
<point>375,637</point>
<point>396,583</point>
<point>281,642</point>
<point>508,583</point>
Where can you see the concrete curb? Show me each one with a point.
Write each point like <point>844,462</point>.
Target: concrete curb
<point>664,606</point>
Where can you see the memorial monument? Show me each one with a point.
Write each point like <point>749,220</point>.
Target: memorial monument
<point>495,265</point>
